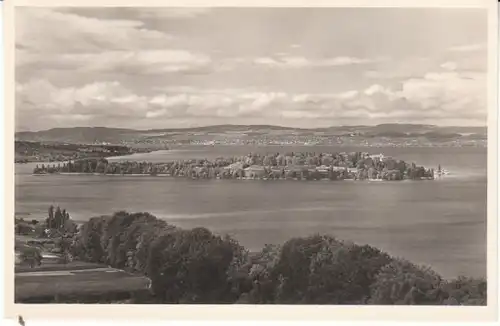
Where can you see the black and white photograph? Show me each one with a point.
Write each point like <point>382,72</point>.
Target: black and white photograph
<point>251,155</point>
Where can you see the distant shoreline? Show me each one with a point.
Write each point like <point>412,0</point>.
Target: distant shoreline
<point>40,151</point>
<point>26,161</point>
<point>241,178</point>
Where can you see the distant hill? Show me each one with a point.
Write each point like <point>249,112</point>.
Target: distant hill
<point>87,135</point>
<point>225,128</point>
<point>79,135</point>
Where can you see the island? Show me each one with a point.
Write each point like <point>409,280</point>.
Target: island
<point>276,166</point>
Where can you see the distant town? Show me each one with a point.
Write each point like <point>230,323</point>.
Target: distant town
<point>380,135</point>
<point>354,140</point>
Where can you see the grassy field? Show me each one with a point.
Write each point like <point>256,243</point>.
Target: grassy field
<point>50,265</point>
<point>76,279</point>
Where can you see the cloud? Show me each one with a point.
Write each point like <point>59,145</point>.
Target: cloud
<point>129,46</point>
<point>467,63</point>
<point>440,95</point>
<point>449,66</point>
<point>173,13</point>
<point>286,61</point>
<point>96,67</point>
<point>141,62</point>
<point>342,61</point>
<point>468,48</point>
<point>160,61</point>
<point>39,30</point>
<point>92,100</point>
<point>373,89</point>
<point>410,68</point>
<point>93,45</point>
<point>454,92</point>
<point>436,96</point>
<point>144,62</point>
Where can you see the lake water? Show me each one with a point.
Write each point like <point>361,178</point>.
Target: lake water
<point>440,223</point>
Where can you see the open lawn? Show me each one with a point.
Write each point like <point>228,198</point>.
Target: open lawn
<point>51,265</point>
<point>76,282</point>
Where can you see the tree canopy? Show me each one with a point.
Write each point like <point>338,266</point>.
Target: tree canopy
<point>198,266</point>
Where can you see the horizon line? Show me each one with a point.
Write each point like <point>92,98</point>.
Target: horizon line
<point>260,125</point>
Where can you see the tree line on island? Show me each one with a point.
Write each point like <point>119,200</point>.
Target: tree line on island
<point>293,165</point>
<point>196,266</point>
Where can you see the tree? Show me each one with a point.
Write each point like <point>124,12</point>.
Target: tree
<point>326,160</point>
<point>58,219</point>
<point>465,291</point>
<point>146,239</point>
<point>293,267</point>
<point>64,246</point>
<point>65,216</point>
<point>342,273</point>
<point>264,286</point>
<point>238,270</point>
<point>88,243</point>
<point>401,282</point>
<point>196,266</point>
<point>50,219</point>
<point>31,256</point>
<point>22,228</point>
<point>304,173</point>
<point>70,227</point>
<point>190,267</point>
<point>84,167</point>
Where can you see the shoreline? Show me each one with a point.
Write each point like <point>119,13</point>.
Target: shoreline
<point>73,159</point>
<point>46,159</point>
<point>218,178</point>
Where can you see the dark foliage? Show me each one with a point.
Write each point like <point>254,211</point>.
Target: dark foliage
<point>197,266</point>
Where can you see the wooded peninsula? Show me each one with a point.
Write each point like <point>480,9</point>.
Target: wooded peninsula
<point>30,151</point>
<point>290,166</point>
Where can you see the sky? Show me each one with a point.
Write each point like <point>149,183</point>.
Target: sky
<point>148,68</point>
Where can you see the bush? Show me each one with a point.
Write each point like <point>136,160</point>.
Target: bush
<point>24,228</point>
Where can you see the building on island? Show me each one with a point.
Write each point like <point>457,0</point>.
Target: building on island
<point>255,171</point>
<point>235,167</point>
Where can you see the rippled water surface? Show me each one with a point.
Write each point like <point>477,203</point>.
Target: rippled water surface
<point>441,223</point>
